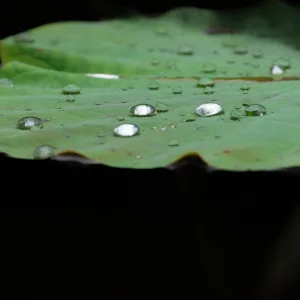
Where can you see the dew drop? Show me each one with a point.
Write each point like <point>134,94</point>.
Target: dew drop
<point>208,90</point>
<point>44,152</point>
<point>120,118</point>
<point>240,50</point>
<point>189,117</point>
<point>257,54</point>
<point>28,123</point>
<point>282,63</point>
<point>205,82</point>
<point>142,110</point>
<point>255,110</point>
<point>126,130</point>
<point>70,98</point>
<point>4,82</point>
<point>153,86</point>
<point>277,72</point>
<point>71,89</point>
<point>173,143</point>
<point>245,87</point>
<point>208,68</point>
<point>161,107</point>
<point>236,114</point>
<point>209,110</point>
<point>177,90</point>
<point>185,50</point>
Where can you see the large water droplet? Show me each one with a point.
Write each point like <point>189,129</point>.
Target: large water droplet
<point>142,110</point>
<point>126,130</point>
<point>161,107</point>
<point>153,86</point>
<point>70,98</point>
<point>177,90</point>
<point>208,68</point>
<point>185,50</point>
<point>71,89</point>
<point>204,82</point>
<point>44,152</point>
<point>28,123</point>
<point>4,82</point>
<point>240,50</point>
<point>245,87</point>
<point>209,110</point>
<point>256,110</point>
<point>189,117</point>
<point>282,63</point>
<point>236,114</point>
<point>173,143</point>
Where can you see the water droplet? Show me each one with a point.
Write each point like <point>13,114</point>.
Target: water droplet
<point>28,123</point>
<point>236,114</point>
<point>208,68</point>
<point>24,37</point>
<point>126,130</point>
<point>177,90</point>
<point>161,31</point>
<point>153,86</point>
<point>162,107</point>
<point>189,117</point>
<point>230,61</point>
<point>204,82</point>
<point>155,63</point>
<point>255,66</point>
<point>255,110</point>
<point>240,50</point>
<point>142,110</point>
<point>70,98</point>
<point>44,152</point>
<point>282,63</point>
<point>4,82</point>
<point>277,72</point>
<point>120,118</point>
<point>208,90</point>
<point>71,89</point>
<point>173,143</point>
<point>257,54</point>
<point>245,87</point>
<point>185,50</point>
<point>209,110</point>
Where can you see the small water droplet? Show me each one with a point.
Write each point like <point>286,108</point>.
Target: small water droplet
<point>185,50</point>
<point>71,89</point>
<point>4,82</point>
<point>44,152</point>
<point>231,61</point>
<point>282,63</point>
<point>257,54</point>
<point>177,90</point>
<point>204,82</point>
<point>70,98</point>
<point>142,110</point>
<point>255,66</point>
<point>277,72</point>
<point>245,87</point>
<point>161,31</point>
<point>155,63</point>
<point>236,114</point>
<point>28,123</point>
<point>255,110</point>
<point>126,130</point>
<point>161,107</point>
<point>173,143</point>
<point>208,90</point>
<point>153,86</point>
<point>209,110</point>
<point>240,50</point>
<point>189,117</point>
<point>208,68</point>
<point>120,118</point>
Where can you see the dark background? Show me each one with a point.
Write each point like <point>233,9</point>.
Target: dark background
<point>18,16</point>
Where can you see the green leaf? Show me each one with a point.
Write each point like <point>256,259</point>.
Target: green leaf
<point>158,62</point>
